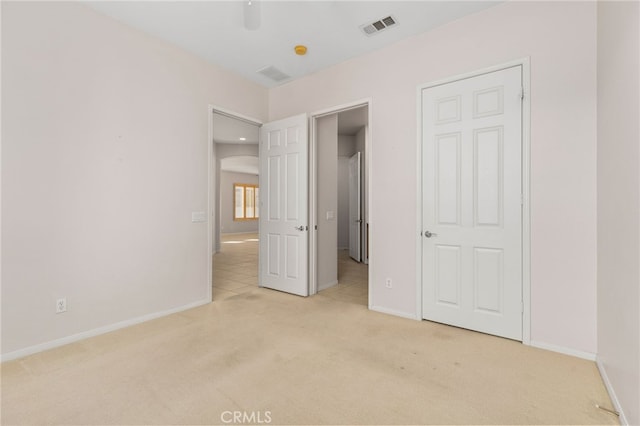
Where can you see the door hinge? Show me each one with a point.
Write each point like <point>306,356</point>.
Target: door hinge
<point>521,92</point>
<point>522,307</point>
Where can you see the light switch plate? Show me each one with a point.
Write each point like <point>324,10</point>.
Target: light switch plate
<point>330,215</point>
<point>197,217</point>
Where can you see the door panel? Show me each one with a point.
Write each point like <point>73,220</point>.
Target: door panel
<point>472,179</point>
<point>488,184</point>
<point>447,265</point>
<point>284,230</point>
<point>448,179</point>
<point>273,255</point>
<point>488,279</point>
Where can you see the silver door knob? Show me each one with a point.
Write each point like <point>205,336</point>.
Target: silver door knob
<point>429,234</point>
<point>299,228</point>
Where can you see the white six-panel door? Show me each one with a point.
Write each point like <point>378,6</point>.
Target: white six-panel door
<point>355,215</point>
<point>472,205</point>
<point>284,231</point>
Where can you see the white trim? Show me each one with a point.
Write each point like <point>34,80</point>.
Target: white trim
<point>476,73</point>
<point>313,216</point>
<point>611,391</point>
<point>97,331</point>
<point>367,194</point>
<point>233,114</point>
<point>419,203</point>
<point>393,312</point>
<point>313,185</point>
<point>368,214</point>
<point>561,349</point>
<point>210,203</point>
<point>526,185</point>
<point>341,108</point>
<point>526,202</point>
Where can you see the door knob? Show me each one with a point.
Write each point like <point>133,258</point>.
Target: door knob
<point>299,228</point>
<point>429,234</point>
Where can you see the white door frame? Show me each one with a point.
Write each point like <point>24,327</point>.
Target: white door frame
<point>313,187</point>
<point>526,200</point>
<point>211,189</point>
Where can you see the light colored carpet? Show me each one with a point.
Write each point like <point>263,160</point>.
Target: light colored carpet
<point>306,361</point>
<point>294,360</point>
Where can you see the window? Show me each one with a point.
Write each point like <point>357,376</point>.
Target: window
<point>246,201</point>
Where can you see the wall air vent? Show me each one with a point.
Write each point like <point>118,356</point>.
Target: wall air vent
<point>273,73</point>
<point>379,25</point>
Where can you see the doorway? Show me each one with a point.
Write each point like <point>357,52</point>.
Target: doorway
<point>340,140</point>
<point>234,211</point>
<point>288,135</point>
<point>474,202</point>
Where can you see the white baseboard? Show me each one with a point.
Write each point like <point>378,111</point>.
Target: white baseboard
<point>96,332</point>
<point>394,312</point>
<point>327,285</point>
<point>561,349</point>
<point>611,391</point>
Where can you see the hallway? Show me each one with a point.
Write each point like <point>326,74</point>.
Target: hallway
<point>235,271</point>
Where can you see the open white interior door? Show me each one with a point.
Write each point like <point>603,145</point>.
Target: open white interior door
<point>355,215</point>
<point>284,218</point>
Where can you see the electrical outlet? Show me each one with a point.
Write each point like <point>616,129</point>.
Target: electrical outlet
<point>388,283</point>
<point>61,305</point>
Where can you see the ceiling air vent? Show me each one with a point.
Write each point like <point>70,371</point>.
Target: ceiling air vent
<point>273,73</point>
<point>379,25</point>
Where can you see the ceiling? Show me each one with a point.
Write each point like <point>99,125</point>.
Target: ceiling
<point>352,120</point>
<point>232,130</point>
<point>215,30</point>
<point>240,164</point>
<point>228,129</point>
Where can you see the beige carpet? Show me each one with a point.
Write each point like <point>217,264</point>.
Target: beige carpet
<point>304,361</point>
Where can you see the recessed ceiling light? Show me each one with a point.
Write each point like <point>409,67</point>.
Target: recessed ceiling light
<point>243,139</point>
<point>300,50</point>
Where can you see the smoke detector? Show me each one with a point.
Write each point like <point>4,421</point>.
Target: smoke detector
<point>379,25</point>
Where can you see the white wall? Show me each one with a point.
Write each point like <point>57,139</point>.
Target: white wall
<point>346,148</point>
<point>105,154</point>
<point>228,225</point>
<point>104,158</point>
<point>619,202</point>
<point>343,202</point>
<point>560,39</point>
<point>220,152</point>
<point>327,200</point>
<point>346,145</point>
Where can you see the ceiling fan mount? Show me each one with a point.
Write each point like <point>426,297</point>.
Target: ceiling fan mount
<point>252,14</point>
